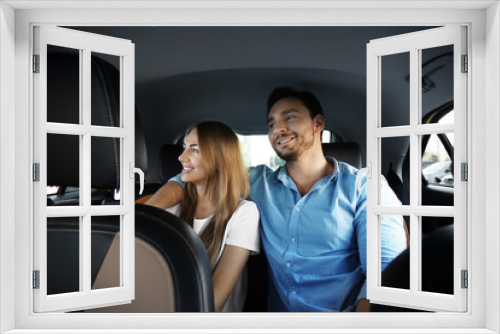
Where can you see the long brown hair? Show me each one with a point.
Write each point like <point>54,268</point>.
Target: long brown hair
<point>227,182</point>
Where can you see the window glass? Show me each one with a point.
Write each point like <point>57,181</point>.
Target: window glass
<point>69,59</point>
<point>257,150</point>
<point>105,248</point>
<point>436,76</point>
<point>395,92</point>
<point>437,165</point>
<point>437,257</point>
<point>105,90</point>
<point>63,255</point>
<point>52,190</point>
<point>63,168</point>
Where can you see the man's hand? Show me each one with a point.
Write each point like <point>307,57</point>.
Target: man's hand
<point>363,305</point>
<point>169,195</point>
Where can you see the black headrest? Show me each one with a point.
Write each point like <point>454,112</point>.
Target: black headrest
<point>169,161</point>
<point>346,152</point>
<point>141,156</point>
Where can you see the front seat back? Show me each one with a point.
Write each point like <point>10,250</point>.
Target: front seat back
<point>172,268</point>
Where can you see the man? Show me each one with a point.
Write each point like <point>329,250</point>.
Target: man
<point>313,219</point>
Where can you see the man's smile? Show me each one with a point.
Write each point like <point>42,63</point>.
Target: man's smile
<point>285,140</point>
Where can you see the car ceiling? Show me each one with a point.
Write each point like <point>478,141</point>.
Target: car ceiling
<point>188,74</point>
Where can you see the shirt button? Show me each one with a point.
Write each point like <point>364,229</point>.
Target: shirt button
<point>288,264</point>
<point>298,209</point>
<point>294,292</point>
<point>293,239</point>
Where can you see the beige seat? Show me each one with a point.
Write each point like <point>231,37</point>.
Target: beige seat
<point>154,288</point>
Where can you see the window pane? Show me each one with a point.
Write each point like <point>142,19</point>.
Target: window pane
<point>395,95</point>
<point>106,167</point>
<point>437,165</point>
<point>394,150</point>
<point>449,118</point>
<point>393,256</point>
<point>257,150</point>
<point>437,77</point>
<point>63,167</point>
<point>326,136</point>
<point>63,85</point>
<point>105,252</point>
<point>105,91</point>
<point>63,255</point>
<point>437,254</point>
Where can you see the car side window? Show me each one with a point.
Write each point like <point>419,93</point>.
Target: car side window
<point>437,158</point>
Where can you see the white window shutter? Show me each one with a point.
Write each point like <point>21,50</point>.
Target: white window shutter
<point>84,44</point>
<point>414,43</point>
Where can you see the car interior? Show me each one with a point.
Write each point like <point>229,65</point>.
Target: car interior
<point>184,75</point>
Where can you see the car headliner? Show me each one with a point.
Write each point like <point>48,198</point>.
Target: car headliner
<point>188,74</point>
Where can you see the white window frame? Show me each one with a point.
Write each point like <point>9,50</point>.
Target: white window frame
<point>412,44</point>
<point>86,44</point>
<point>16,113</point>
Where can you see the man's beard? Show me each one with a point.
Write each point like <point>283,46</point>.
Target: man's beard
<point>290,156</point>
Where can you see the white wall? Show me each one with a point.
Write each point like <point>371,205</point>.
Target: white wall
<point>492,163</point>
<point>482,212</point>
<point>7,161</point>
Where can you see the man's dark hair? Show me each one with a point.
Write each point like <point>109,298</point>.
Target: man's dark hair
<point>308,99</point>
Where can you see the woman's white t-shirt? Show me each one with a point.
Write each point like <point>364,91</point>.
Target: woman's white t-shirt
<point>242,231</point>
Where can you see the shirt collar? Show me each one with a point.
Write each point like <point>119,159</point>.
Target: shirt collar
<point>282,174</point>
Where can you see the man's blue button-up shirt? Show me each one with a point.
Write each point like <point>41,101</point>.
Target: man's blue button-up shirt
<point>316,244</point>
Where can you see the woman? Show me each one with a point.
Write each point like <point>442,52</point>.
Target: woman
<point>216,186</point>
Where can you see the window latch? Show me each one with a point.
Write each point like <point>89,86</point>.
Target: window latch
<point>367,170</point>
<point>139,171</point>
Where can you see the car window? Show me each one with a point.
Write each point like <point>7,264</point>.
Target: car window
<point>437,165</point>
<point>52,190</point>
<point>257,150</point>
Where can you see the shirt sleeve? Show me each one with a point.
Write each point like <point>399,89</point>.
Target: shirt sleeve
<point>393,236</point>
<point>177,179</point>
<point>243,228</point>
<point>360,226</point>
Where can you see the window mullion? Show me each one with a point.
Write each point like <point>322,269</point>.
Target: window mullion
<point>85,165</point>
<point>415,112</point>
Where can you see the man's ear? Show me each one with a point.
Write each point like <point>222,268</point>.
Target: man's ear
<point>319,122</point>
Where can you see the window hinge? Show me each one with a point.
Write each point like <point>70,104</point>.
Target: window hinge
<point>36,63</point>
<point>465,63</point>
<point>464,171</point>
<point>36,172</point>
<point>465,279</point>
<point>36,279</point>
